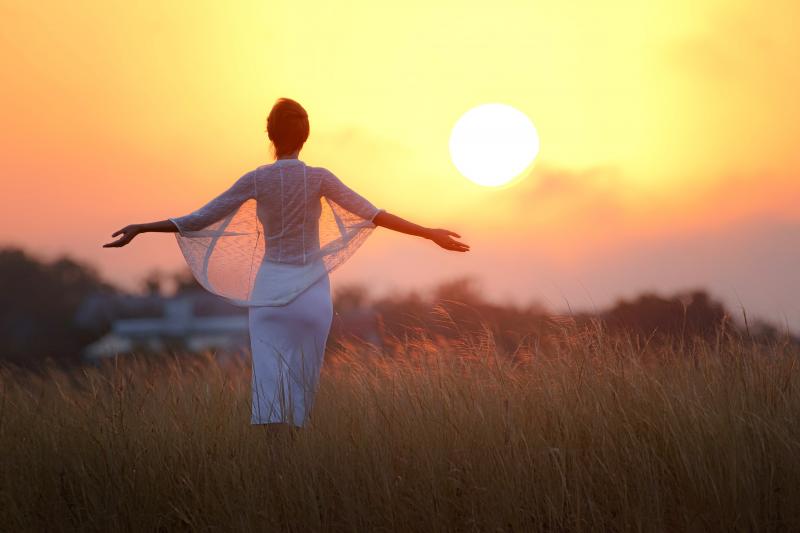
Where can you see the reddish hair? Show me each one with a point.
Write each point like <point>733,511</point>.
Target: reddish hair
<point>287,127</point>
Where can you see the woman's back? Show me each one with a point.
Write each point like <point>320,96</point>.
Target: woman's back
<point>284,213</point>
<point>289,194</point>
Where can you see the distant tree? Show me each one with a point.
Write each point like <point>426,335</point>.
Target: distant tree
<point>457,310</point>
<point>184,281</point>
<point>350,297</point>
<point>464,290</point>
<point>38,302</point>
<point>153,282</point>
<point>684,314</point>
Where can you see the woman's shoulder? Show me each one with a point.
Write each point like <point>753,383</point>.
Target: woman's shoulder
<point>319,172</point>
<point>318,169</point>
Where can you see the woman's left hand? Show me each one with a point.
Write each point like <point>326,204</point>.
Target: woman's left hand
<point>128,233</point>
<point>444,238</point>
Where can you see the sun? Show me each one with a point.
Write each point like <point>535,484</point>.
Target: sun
<point>492,144</point>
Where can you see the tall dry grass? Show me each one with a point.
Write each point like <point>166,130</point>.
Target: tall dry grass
<point>576,432</point>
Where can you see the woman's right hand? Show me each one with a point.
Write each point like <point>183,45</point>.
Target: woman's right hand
<point>128,233</point>
<point>444,238</point>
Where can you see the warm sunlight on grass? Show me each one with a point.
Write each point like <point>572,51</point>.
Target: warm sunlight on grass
<point>576,431</point>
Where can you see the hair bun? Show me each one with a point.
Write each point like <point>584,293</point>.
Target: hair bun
<point>287,126</point>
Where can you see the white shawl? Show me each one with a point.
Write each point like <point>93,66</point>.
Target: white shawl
<point>274,232</point>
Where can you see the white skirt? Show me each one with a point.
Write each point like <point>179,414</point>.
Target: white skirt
<point>288,344</point>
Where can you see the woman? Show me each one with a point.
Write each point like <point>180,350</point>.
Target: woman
<point>268,243</point>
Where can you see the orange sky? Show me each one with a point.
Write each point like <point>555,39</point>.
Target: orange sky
<point>668,134</point>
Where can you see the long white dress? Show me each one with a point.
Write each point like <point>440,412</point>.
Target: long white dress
<point>269,243</point>
<point>288,345</point>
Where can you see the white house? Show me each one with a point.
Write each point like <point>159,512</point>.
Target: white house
<point>184,322</point>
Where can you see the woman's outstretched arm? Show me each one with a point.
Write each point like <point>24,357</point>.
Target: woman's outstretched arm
<point>224,204</point>
<point>442,237</point>
<point>333,188</point>
<point>132,230</point>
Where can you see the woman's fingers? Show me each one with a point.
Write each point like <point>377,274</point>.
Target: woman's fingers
<point>118,232</point>
<point>122,241</point>
<point>465,245</point>
<point>452,244</point>
<point>457,246</point>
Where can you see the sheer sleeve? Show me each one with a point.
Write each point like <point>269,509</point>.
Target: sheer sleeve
<point>218,208</point>
<point>333,189</point>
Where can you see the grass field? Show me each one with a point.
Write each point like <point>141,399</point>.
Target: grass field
<point>576,432</point>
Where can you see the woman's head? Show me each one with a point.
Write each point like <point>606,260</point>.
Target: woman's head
<point>287,127</point>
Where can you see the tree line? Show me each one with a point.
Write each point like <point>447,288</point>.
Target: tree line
<point>40,303</point>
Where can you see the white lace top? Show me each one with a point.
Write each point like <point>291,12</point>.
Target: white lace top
<point>274,232</point>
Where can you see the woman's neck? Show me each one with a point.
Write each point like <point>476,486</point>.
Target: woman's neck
<point>293,155</point>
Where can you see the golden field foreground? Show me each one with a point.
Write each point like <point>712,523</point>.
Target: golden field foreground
<point>577,432</point>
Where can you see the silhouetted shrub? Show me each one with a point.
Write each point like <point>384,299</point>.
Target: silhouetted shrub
<point>38,304</point>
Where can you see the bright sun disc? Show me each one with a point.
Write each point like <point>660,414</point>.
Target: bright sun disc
<point>491,144</point>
